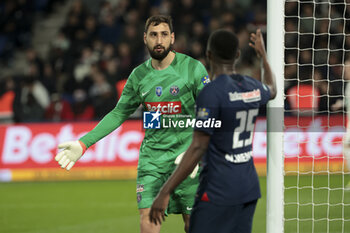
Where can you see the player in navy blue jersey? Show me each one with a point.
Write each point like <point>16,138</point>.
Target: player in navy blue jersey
<point>229,186</point>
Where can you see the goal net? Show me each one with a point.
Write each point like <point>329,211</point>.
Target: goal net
<point>316,72</point>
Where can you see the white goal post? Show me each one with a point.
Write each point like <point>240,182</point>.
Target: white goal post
<point>275,53</point>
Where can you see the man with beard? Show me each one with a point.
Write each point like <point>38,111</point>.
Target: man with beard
<point>168,84</point>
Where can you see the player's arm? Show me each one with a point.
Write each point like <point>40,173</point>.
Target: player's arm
<point>257,42</point>
<point>189,161</point>
<point>208,102</point>
<point>127,104</point>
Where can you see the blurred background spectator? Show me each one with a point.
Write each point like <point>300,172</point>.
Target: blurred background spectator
<point>68,60</point>
<point>315,55</point>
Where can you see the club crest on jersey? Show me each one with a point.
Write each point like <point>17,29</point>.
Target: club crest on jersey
<point>205,80</point>
<point>174,90</point>
<point>159,91</point>
<point>139,188</point>
<point>203,113</point>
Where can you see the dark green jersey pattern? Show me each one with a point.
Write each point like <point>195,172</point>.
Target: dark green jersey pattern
<point>171,91</point>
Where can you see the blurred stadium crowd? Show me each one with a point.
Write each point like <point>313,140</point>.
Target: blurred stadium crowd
<point>317,54</point>
<point>82,75</point>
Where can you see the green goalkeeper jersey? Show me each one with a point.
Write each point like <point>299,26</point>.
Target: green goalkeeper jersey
<point>171,91</point>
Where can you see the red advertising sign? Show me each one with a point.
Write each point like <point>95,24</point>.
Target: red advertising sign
<point>27,151</point>
<point>305,137</point>
<point>35,145</point>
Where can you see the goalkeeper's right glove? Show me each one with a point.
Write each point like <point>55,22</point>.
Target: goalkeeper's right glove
<point>178,160</point>
<point>73,150</point>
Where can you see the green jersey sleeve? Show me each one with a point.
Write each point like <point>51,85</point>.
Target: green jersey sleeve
<point>201,78</point>
<point>127,104</point>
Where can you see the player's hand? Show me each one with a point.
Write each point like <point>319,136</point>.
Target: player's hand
<point>157,212</point>
<point>178,160</point>
<point>73,150</point>
<point>257,43</point>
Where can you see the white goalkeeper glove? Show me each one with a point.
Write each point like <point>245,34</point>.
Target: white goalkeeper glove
<point>73,150</point>
<point>178,160</point>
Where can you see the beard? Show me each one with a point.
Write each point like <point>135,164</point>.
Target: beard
<point>159,55</point>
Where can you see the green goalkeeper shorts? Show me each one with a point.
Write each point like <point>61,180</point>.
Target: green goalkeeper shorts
<point>181,200</point>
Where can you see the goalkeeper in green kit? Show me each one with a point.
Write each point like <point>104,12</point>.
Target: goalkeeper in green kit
<point>168,84</point>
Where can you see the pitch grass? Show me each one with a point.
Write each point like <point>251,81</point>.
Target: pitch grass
<point>110,207</point>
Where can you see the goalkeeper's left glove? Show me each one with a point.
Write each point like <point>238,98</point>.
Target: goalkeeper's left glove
<point>178,160</point>
<point>73,150</point>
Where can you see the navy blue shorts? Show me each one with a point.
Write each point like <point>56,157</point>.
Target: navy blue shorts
<point>207,217</point>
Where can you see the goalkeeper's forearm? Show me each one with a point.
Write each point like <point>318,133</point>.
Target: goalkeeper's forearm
<point>189,161</point>
<point>108,124</point>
